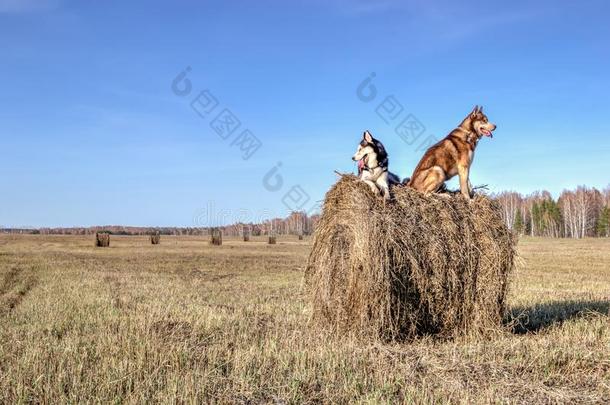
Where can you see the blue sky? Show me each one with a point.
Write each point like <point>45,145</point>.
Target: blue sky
<point>92,133</point>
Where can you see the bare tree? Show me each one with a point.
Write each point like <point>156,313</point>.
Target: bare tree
<point>586,204</point>
<point>510,202</point>
<point>567,203</point>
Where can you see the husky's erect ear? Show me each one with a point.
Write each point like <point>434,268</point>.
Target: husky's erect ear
<point>475,111</point>
<point>367,136</point>
<point>481,109</point>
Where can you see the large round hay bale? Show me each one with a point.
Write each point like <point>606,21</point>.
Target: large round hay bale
<point>216,237</point>
<point>155,238</point>
<point>416,265</point>
<point>102,239</point>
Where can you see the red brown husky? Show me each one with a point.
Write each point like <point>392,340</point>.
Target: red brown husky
<point>452,155</point>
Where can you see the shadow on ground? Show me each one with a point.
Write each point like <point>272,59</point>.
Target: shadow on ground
<point>541,316</point>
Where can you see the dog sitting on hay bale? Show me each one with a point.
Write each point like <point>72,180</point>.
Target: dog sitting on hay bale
<point>414,266</point>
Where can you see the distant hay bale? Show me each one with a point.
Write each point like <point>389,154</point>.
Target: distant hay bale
<point>246,234</point>
<point>417,265</point>
<point>155,239</point>
<point>216,237</point>
<point>102,239</point>
<point>300,236</point>
<point>272,239</point>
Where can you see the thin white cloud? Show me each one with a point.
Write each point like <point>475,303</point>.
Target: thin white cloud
<point>357,7</point>
<point>453,20</point>
<point>27,6</point>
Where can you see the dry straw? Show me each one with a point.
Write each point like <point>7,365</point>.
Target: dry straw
<point>102,239</point>
<point>416,265</point>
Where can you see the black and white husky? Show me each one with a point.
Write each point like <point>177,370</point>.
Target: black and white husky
<point>373,164</point>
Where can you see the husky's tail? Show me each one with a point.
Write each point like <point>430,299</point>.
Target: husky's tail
<point>393,179</point>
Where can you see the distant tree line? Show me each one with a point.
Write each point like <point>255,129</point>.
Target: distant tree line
<point>297,223</point>
<point>579,213</point>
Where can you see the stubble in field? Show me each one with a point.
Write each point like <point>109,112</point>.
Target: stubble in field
<point>186,321</point>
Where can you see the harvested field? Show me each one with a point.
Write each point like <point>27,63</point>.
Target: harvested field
<point>185,321</point>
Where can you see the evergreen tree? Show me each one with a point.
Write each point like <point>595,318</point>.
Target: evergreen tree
<point>603,223</point>
<point>519,226</point>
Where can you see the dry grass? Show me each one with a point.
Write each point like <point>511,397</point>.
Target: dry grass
<point>409,267</point>
<point>188,322</point>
